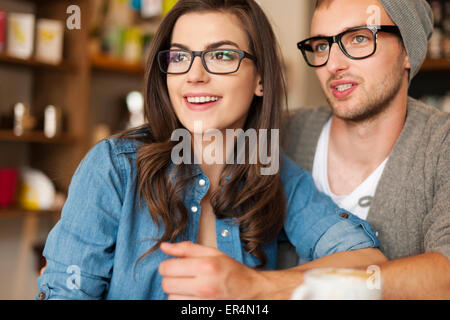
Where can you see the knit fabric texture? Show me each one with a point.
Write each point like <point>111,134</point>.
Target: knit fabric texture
<point>414,18</point>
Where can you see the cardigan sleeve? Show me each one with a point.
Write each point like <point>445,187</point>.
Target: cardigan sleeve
<point>437,222</point>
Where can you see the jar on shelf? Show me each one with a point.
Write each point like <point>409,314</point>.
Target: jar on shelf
<point>23,120</point>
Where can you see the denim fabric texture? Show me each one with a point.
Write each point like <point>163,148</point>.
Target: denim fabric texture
<point>92,251</point>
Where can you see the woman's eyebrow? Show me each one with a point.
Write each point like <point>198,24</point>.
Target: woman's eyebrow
<point>180,46</point>
<point>219,44</point>
<point>211,46</point>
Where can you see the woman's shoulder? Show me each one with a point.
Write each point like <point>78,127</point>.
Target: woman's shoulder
<point>112,153</point>
<point>110,149</point>
<point>120,145</point>
<point>123,143</point>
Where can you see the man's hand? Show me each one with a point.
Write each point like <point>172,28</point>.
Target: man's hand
<point>201,272</point>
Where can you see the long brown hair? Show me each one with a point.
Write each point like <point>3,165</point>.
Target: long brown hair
<point>256,202</point>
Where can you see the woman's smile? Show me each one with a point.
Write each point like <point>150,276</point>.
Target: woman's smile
<point>201,101</point>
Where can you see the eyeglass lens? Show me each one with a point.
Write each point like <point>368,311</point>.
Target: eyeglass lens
<point>357,44</point>
<point>217,61</point>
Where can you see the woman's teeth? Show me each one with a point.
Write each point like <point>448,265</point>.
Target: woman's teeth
<point>201,99</point>
<point>343,87</point>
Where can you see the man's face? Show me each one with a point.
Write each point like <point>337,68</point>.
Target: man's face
<point>376,80</point>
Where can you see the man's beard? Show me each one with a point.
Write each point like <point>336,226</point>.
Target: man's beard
<point>376,101</point>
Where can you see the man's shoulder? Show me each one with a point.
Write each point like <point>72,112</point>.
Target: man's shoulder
<point>432,122</point>
<point>301,131</point>
<point>307,113</point>
<point>424,111</point>
<point>304,121</point>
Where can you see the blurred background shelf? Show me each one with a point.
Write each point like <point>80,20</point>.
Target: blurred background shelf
<point>436,65</point>
<point>17,212</point>
<point>63,66</point>
<point>106,63</point>
<point>36,137</point>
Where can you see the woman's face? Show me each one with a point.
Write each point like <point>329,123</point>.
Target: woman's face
<point>233,92</point>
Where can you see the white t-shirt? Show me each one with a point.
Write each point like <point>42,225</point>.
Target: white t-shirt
<point>358,202</point>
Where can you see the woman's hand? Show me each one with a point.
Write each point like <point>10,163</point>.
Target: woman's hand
<point>201,272</point>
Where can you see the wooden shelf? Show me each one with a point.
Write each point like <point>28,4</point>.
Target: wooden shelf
<point>35,136</point>
<point>17,212</point>
<point>436,65</point>
<point>32,62</point>
<point>103,62</point>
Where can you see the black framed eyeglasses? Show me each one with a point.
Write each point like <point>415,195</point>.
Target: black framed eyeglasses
<point>356,43</point>
<point>216,61</point>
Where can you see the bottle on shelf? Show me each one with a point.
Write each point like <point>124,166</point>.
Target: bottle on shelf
<point>20,38</point>
<point>2,30</point>
<point>23,120</point>
<point>52,121</point>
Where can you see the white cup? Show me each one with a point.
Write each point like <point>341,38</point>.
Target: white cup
<point>338,284</point>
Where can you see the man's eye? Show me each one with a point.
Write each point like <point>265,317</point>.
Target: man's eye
<point>360,39</point>
<point>321,47</point>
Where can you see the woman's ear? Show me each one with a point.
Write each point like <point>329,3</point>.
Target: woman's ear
<point>259,91</point>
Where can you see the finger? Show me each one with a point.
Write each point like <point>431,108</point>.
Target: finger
<point>184,267</point>
<point>180,286</point>
<point>187,249</point>
<point>193,287</point>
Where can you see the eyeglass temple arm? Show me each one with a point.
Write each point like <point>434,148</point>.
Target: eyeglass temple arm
<point>309,48</point>
<point>390,29</point>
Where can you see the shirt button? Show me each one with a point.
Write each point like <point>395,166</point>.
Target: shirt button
<point>202,182</point>
<point>42,296</point>
<point>344,215</point>
<point>225,233</point>
<point>194,209</point>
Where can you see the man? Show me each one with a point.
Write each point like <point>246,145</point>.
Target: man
<point>377,152</point>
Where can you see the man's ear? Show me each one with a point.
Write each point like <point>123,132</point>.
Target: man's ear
<point>407,62</point>
<point>259,91</point>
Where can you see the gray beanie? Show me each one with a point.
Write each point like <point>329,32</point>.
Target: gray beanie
<point>415,21</point>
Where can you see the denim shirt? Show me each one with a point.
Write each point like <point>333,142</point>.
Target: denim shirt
<point>92,251</point>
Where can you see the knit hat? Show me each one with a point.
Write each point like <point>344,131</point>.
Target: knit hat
<point>415,21</point>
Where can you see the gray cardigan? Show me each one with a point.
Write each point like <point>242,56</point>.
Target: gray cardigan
<point>411,209</point>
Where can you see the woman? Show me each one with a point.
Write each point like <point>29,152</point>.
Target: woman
<point>212,67</point>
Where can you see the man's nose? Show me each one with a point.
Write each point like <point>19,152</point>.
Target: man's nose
<point>337,61</point>
<point>197,73</point>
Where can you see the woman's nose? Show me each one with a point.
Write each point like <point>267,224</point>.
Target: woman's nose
<point>197,73</point>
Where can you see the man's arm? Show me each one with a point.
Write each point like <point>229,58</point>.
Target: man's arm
<point>206,273</point>
<point>425,276</point>
<point>280,284</point>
